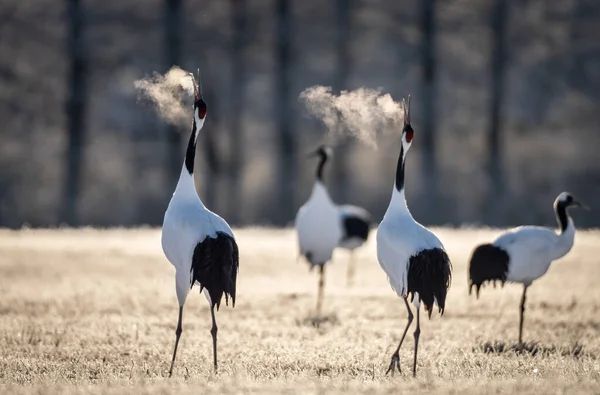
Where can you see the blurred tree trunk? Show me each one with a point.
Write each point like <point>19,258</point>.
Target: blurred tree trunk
<point>76,109</point>
<point>236,189</point>
<point>495,166</point>
<point>341,161</point>
<point>287,144</point>
<point>172,47</point>
<point>584,52</point>
<point>429,115</point>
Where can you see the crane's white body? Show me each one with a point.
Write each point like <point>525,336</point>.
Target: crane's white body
<point>188,222</point>
<point>399,237</point>
<point>318,224</point>
<point>532,249</point>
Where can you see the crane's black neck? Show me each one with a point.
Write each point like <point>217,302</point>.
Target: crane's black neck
<point>561,214</point>
<point>400,170</point>
<point>190,153</point>
<point>322,160</point>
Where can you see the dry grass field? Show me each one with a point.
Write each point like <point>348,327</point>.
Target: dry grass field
<point>94,312</point>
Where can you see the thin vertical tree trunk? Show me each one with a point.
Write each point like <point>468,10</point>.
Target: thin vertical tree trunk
<point>172,47</point>
<point>340,158</point>
<point>287,143</point>
<point>498,62</point>
<point>429,114</point>
<point>76,109</point>
<point>236,192</point>
<point>582,50</point>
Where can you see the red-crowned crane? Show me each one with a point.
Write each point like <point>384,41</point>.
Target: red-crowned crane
<point>413,258</point>
<point>322,226</point>
<point>524,254</point>
<point>198,242</point>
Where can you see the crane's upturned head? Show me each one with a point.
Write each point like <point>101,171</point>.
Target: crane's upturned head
<point>407,132</point>
<point>324,152</point>
<point>567,200</point>
<point>199,103</point>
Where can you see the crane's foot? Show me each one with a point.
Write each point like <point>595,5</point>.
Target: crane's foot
<point>395,364</point>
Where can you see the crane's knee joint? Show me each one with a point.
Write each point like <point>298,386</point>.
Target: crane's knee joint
<point>214,330</point>
<point>178,331</point>
<point>417,332</point>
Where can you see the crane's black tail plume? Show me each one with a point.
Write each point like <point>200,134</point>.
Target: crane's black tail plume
<point>215,265</point>
<point>487,263</point>
<point>430,275</point>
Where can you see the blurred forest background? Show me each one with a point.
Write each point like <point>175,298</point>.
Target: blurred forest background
<point>505,95</point>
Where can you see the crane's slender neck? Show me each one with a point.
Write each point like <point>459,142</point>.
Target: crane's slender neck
<point>567,230</point>
<point>400,171</point>
<point>398,202</point>
<point>186,187</point>
<point>322,160</point>
<point>190,153</point>
<point>563,218</point>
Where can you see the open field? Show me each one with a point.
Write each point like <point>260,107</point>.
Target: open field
<point>89,311</point>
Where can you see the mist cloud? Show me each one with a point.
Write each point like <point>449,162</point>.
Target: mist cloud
<point>167,93</point>
<point>361,113</point>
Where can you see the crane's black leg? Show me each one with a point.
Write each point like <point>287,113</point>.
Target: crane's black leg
<point>177,336</point>
<point>396,356</point>
<point>350,274</point>
<point>416,334</point>
<point>213,332</point>
<point>321,288</point>
<point>523,298</point>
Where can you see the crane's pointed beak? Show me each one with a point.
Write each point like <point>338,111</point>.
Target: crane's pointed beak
<point>581,205</point>
<point>406,108</point>
<point>196,93</point>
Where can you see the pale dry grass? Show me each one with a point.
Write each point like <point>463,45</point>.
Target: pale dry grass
<point>89,311</point>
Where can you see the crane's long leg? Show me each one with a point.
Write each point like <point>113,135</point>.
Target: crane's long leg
<point>177,336</point>
<point>321,289</point>
<point>351,270</point>
<point>396,356</point>
<point>416,334</point>
<point>213,332</point>
<point>523,298</point>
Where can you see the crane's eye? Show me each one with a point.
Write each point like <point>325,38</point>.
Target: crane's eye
<point>408,133</point>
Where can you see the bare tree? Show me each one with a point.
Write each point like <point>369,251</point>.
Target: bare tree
<point>287,143</point>
<point>428,98</point>
<point>172,46</point>
<point>238,21</point>
<point>342,71</point>
<point>499,17</point>
<point>76,109</point>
